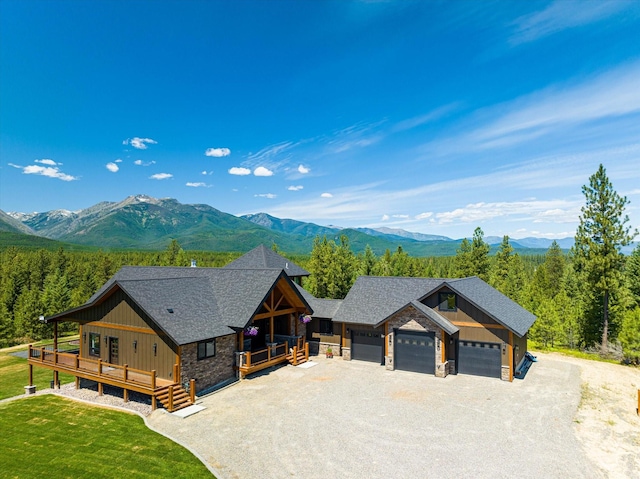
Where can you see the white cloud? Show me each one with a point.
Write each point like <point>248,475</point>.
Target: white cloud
<point>161,176</point>
<point>295,188</point>
<point>142,163</point>
<point>303,170</point>
<point>112,167</point>
<point>118,161</point>
<point>217,152</point>
<point>50,171</point>
<point>46,161</point>
<point>536,211</point>
<point>326,195</point>
<point>239,171</point>
<point>385,218</point>
<point>262,171</point>
<point>266,195</point>
<point>424,216</point>
<point>196,185</point>
<point>400,216</point>
<point>139,143</point>
<point>561,15</point>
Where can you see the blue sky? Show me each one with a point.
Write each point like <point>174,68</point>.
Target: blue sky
<point>434,117</point>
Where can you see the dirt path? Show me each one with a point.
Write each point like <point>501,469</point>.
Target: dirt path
<point>606,422</point>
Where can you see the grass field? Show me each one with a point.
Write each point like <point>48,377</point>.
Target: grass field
<point>14,376</point>
<point>49,436</point>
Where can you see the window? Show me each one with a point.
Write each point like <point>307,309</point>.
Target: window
<point>206,349</point>
<point>326,327</point>
<point>447,302</point>
<point>94,344</point>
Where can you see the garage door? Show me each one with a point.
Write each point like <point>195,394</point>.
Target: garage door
<point>415,351</point>
<point>367,345</point>
<point>480,359</point>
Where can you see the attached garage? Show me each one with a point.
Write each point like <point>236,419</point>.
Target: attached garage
<point>367,345</point>
<point>415,351</point>
<point>479,358</point>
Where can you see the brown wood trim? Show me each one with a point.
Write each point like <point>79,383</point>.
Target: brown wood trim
<point>344,335</point>
<point>510,352</point>
<point>122,327</point>
<point>477,325</point>
<point>271,314</point>
<point>443,342</point>
<point>386,339</point>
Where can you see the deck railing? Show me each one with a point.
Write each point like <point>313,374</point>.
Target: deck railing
<point>74,364</point>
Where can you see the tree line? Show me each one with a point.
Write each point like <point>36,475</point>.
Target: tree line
<point>585,297</point>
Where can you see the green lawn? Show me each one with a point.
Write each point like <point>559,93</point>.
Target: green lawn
<point>49,436</point>
<point>14,376</point>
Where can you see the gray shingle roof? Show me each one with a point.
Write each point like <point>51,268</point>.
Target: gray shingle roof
<point>206,302</point>
<point>501,308</point>
<point>372,300</point>
<point>263,257</point>
<point>322,308</point>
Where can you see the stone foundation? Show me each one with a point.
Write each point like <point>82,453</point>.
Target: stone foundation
<point>30,389</point>
<point>505,373</point>
<point>442,370</point>
<point>335,348</point>
<point>388,363</point>
<point>346,354</point>
<point>210,371</point>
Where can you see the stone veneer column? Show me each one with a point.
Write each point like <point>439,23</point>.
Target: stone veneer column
<point>505,373</point>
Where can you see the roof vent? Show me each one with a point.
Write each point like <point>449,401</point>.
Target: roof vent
<point>170,310</point>
<point>193,263</point>
<point>286,266</point>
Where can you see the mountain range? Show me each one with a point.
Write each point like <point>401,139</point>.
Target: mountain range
<point>143,222</point>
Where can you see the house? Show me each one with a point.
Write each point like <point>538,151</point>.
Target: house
<point>426,325</point>
<point>171,332</point>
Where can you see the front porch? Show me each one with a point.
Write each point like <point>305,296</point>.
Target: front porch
<point>170,394</point>
<point>248,362</point>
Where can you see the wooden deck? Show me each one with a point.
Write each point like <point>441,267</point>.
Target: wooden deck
<point>254,361</point>
<point>129,379</point>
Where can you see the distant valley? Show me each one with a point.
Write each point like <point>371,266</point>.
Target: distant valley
<point>143,222</point>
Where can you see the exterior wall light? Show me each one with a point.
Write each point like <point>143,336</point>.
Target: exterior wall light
<point>135,346</point>
<point>155,349</point>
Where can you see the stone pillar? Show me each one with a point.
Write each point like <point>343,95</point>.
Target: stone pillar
<point>30,389</point>
<point>388,363</point>
<point>442,370</point>
<point>346,354</point>
<point>505,373</point>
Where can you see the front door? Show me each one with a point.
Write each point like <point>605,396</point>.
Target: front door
<point>113,350</point>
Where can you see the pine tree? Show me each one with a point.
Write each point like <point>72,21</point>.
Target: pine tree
<point>601,233</point>
<point>632,273</point>
<point>367,262</point>
<point>472,259</point>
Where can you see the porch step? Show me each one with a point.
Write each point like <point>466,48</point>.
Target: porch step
<point>181,398</point>
<point>300,356</point>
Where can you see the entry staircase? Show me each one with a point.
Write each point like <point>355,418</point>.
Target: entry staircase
<point>174,397</point>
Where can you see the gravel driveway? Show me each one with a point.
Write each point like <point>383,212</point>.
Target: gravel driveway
<point>357,420</point>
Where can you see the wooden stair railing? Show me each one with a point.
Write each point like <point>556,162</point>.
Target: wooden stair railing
<point>299,353</point>
<point>174,397</point>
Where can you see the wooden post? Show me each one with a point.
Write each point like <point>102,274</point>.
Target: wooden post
<point>56,379</point>
<point>268,353</point>
<point>306,351</point>
<point>241,344</point>
<point>176,379</point>
<point>99,367</point>
<point>344,335</point>
<point>295,355</point>
<point>153,402</point>
<point>99,389</point>
<point>55,335</point>
<point>248,356</point>
<point>77,362</point>
<point>125,373</point>
<point>31,377</point>
<point>153,380</point>
<point>77,382</point>
<point>125,395</point>
<point>171,398</point>
<point>42,355</point>
<point>192,390</point>
<point>271,338</point>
